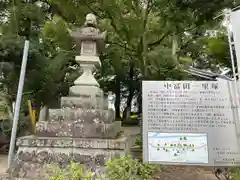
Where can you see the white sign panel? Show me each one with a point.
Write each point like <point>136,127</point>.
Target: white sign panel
<point>189,122</point>
<point>235,24</point>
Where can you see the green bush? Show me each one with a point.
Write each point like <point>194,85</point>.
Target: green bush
<point>128,168</point>
<point>235,175</point>
<point>123,168</point>
<point>73,172</point>
<point>139,141</point>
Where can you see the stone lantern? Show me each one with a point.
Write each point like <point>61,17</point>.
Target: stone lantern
<point>90,43</point>
<point>83,130</point>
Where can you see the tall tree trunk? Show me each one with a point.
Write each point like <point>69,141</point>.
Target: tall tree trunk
<point>175,48</point>
<point>118,97</point>
<point>139,102</point>
<point>131,90</point>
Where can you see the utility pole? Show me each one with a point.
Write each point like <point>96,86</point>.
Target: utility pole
<point>18,103</point>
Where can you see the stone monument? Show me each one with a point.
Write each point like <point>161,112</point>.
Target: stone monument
<point>83,130</point>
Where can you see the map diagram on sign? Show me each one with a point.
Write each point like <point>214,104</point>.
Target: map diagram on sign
<point>178,147</point>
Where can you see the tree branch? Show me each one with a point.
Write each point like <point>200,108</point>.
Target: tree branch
<point>148,9</point>
<point>93,11</point>
<point>112,22</point>
<point>122,46</point>
<point>137,9</point>
<point>160,40</point>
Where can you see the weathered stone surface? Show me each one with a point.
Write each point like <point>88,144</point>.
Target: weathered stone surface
<point>85,90</point>
<point>84,101</point>
<point>65,155</point>
<point>120,143</point>
<point>32,162</point>
<point>78,129</point>
<point>83,115</point>
<point>36,153</point>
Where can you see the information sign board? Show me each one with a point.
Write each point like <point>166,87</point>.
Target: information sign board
<point>189,122</point>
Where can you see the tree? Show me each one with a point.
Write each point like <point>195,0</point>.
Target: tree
<point>147,41</point>
<point>208,50</point>
<point>144,38</point>
<point>47,66</point>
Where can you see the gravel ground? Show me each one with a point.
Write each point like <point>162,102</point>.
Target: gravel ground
<point>3,164</point>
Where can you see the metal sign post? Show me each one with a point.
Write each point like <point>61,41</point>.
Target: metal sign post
<point>18,103</point>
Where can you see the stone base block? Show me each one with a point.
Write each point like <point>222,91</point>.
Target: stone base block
<point>34,154</point>
<point>85,101</point>
<point>86,59</point>
<point>78,129</point>
<point>85,115</point>
<point>120,143</point>
<point>91,91</point>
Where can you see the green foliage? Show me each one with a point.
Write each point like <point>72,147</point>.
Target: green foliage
<point>139,141</point>
<point>23,126</point>
<point>47,65</point>
<point>154,40</point>
<point>55,34</point>
<point>208,51</point>
<point>73,172</point>
<point>128,168</point>
<point>235,174</point>
<point>146,171</point>
<point>120,168</point>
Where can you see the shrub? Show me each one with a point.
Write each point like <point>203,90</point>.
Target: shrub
<point>139,141</point>
<point>120,168</point>
<point>128,168</point>
<point>74,172</point>
<point>235,175</point>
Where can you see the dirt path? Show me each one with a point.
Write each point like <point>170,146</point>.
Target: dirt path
<point>184,173</point>
<point>3,164</point>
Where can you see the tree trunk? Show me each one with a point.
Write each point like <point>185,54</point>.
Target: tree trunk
<point>118,97</point>
<point>175,48</point>
<point>139,98</point>
<point>139,104</point>
<point>131,89</point>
